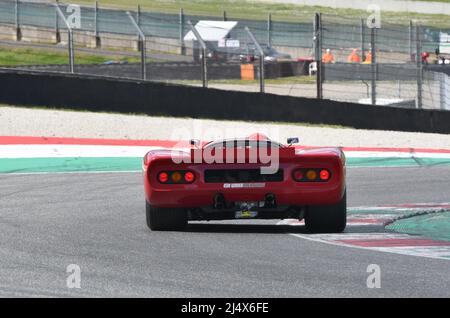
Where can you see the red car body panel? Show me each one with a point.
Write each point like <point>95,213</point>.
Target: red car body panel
<point>288,191</point>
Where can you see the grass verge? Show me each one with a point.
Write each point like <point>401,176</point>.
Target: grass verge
<point>28,56</point>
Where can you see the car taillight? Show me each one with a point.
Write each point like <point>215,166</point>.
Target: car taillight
<point>324,175</point>
<point>163,177</point>
<point>311,175</point>
<point>298,175</point>
<point>189,177</point>
<point>176,177</point>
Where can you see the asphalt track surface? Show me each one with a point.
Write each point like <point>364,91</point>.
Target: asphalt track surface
<point>97,221</point>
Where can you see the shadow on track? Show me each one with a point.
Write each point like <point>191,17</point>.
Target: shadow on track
<point>274,229</point>
<point>244,228</point>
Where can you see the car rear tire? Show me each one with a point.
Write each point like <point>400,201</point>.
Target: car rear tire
<point>327,218</point>
<point>162,219</point>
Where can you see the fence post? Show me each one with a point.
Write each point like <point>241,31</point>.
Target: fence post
<point>269,30</point>
<point>411,40</point>
<point>138,15</point>
<point>363,40</point>
<point>373,66</point>
<point>318,53</point>
<point>70,37</point>
<point>57,32</point>
<point>142,46</point>
<point>204,61</point>
<point>225,16</point>
<point>138,22</point>
<point>97,34</point>
<point>419,67</point>
<point>261,60</point>
<point>181,35</point>
<point>17,21</point>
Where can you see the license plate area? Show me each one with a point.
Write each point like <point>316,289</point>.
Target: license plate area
<point>247,210</point>
<point>245,214</point>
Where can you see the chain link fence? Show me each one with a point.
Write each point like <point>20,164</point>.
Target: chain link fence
<point>437,90</point>
<point>386,65</point>
<point>253,55</point>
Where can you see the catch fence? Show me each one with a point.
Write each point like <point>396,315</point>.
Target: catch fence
<point>268,55</point>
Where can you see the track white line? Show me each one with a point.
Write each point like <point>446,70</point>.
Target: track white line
<point>376,249</point>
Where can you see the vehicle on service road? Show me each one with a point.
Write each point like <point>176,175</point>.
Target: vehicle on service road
<point>252,177</point>
<point>270,55</point>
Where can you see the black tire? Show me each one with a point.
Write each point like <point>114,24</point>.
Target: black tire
<point>327,218</point>
<point>161,219</point>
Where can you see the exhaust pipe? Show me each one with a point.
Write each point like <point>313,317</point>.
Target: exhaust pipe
<point>270,201</point>
<point>219,201</point>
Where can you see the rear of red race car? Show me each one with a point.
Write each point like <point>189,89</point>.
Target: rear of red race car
<point>243,179</point>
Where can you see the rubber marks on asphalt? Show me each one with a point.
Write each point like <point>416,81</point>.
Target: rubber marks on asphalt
<point>366,230</point>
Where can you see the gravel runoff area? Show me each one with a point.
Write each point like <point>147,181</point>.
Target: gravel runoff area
<point>19,121</point>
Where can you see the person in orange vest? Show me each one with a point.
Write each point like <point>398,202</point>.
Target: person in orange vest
<point>368,59</point>
<point>328,57</point>
<point>354,57</point>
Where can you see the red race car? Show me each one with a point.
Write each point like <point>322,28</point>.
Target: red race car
<point>252,177</point>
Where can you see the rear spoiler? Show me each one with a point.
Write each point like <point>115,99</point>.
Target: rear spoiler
<point>241,155</point>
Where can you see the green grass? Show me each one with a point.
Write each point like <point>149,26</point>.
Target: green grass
<point>280,12</point>
<point>27,56</point>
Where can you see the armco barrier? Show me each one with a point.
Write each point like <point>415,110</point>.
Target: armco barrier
<point>438,68</point>
<point>127,96</point>
<point>385,71</point>
<point>179,70</point>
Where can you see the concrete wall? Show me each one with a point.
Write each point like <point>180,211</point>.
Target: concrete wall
<point>116,41</point>
<point>127,96</point>
<point>87,39</point>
